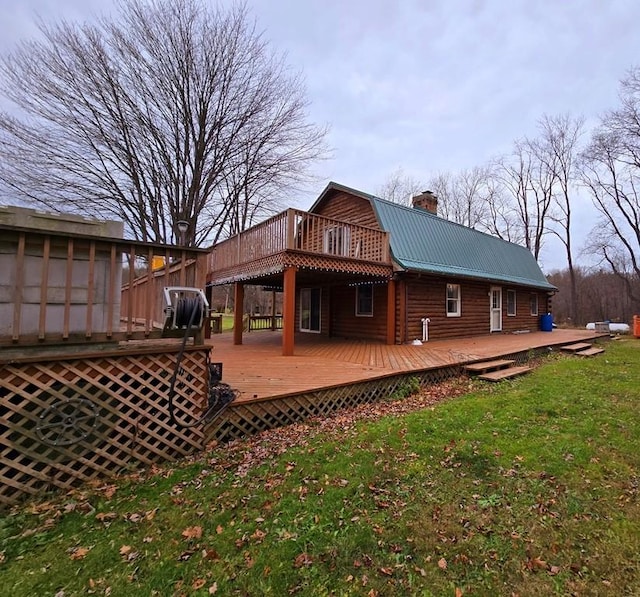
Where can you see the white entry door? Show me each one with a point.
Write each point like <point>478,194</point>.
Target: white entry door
<point>496,309</point>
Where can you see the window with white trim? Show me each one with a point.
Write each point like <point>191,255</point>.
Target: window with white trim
<point>511,303</point>
<point>364,300</point>
<point>533,304</point>
<point>453,300</point>
<point>337,241</point>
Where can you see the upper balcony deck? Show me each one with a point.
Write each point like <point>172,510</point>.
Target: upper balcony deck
<point>296,237</point>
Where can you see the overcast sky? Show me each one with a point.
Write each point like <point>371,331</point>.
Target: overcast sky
<point>425,85</point>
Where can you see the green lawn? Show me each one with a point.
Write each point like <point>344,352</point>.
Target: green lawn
<point>527,487</point>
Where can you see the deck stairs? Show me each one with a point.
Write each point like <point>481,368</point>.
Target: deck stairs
<point>497,370</point>
<point>582,349</point>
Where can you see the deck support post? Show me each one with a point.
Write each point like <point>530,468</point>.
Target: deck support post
<point>274,327</point>
<point>391,312</point>
<point>208,292</point>
<point>288,311</point>
<point>238,312</point>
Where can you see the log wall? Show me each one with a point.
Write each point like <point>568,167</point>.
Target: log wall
<point>346,324</point>
<point>349,208</point>
<point>426,297</point>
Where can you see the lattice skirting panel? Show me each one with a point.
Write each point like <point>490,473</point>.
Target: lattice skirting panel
<point>69,420</point>
<point>247,418</point>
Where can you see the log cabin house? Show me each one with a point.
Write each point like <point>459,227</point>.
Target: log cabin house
<point>357,266</point>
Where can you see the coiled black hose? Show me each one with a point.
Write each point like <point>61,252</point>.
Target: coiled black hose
<point>188,311</point>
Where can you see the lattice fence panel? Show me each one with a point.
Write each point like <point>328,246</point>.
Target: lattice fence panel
<point>72,420</point>
<point>276,264</point>
<point>245,419</point>
<point>333,264</point>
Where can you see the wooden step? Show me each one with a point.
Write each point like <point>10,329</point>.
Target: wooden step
<point>501,374</point>
<point>576,347</point>
<point>589,352</point>
<point>488,366</point>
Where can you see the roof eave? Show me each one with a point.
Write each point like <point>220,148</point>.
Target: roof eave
<point>334,186</point>
<point>477,276</point>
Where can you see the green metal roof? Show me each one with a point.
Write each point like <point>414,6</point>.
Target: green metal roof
<point>424,242</point>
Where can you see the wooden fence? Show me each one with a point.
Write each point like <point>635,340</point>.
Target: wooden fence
<point>263,322</point>
<point>80,396</point>
<point>63,288</point>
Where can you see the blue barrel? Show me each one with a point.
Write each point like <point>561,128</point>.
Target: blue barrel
<point>546,322</point>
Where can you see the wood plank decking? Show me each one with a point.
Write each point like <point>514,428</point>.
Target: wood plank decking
<point>258,371</point>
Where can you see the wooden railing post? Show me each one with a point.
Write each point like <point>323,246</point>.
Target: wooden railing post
<point>18,290</point>
<point>44,285</point>
<point>291,220</point>
<point>385,248</point>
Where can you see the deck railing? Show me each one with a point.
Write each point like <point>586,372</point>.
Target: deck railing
<point>300,231</point>
<point>263,322</point>
<point>63,288</point>
<point>142,302</point>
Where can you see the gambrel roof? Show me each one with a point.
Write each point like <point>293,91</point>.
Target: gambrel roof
<point>424,242</point>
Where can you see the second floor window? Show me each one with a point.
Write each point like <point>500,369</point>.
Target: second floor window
<point>337,241</point>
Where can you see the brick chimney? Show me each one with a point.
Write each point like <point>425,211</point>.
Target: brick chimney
<point>426,200</point>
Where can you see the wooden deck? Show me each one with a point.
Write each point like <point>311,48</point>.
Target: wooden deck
<point>258,371</point>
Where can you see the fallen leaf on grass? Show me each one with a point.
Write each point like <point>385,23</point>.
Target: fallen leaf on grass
<point>108,490</point>
<point>303,559</point>
<point>534,564</point>
<point>192,532</point>
<point>127,553</point>
<point>442,564</point>
<point>185,555</point>
<point>198,583</point>
<point>258,536</point>
<point>79,553</point>
<point>106,516</point>
<point>210,554</point>
<point>213,589</point>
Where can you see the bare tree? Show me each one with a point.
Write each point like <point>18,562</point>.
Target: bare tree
<point>442,185</point>
<point>400,187</point>
<point>529,182</point>
<point>470,194</point>
<point>557,151</point>
<point>176,111</point>
<point>611,172</point>
<point>499,216</point>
